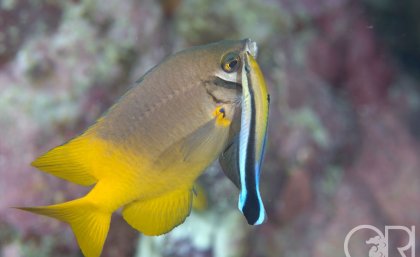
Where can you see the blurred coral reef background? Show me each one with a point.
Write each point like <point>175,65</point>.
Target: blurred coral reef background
<point>344,132</point>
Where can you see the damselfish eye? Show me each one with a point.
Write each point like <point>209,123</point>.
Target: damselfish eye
<point>230,62</point>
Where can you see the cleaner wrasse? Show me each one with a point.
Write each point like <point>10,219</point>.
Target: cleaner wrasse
<point>146,152</point>
<point>242,160</point>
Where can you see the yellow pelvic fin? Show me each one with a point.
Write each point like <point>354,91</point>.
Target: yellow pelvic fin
<point>69,161</point>
<point>160,215</point>
<point>89,224</point>
<point>199,198</point>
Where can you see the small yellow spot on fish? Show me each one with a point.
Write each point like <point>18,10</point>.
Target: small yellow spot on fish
<point>220,115</point>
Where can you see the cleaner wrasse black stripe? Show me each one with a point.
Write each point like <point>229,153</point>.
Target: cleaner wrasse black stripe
<point>252,139</point>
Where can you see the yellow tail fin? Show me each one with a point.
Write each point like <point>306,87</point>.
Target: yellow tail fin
<point>68,161</point>
<point>159,215</point>
<point>89,224</point>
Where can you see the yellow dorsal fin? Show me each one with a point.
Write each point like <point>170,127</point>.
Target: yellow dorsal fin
<point>160,215</point>
<point>89,224</point>
<point>68,161</point>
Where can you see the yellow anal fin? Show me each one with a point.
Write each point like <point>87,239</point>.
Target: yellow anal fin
<point>68,161</point>
<point>159,215</point>
<point>199,198</point>
<point>89,224</point>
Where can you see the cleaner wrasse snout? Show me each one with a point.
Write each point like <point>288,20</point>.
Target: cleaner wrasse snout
<point>146,152</point>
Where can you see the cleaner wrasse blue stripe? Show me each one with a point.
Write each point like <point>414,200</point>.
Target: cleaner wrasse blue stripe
<point>252,139</point>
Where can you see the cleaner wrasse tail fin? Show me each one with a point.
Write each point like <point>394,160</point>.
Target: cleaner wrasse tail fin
<point>68,161</point>
<point>160,215</point>
<point>89,224</point>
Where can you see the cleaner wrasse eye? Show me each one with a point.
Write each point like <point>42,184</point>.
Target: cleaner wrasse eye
<point>146,152</point>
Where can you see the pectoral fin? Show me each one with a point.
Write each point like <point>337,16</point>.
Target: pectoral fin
<point>159,215</point>
<point>229,161</point>
<point>201,146</point>
<point>205,142</point>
